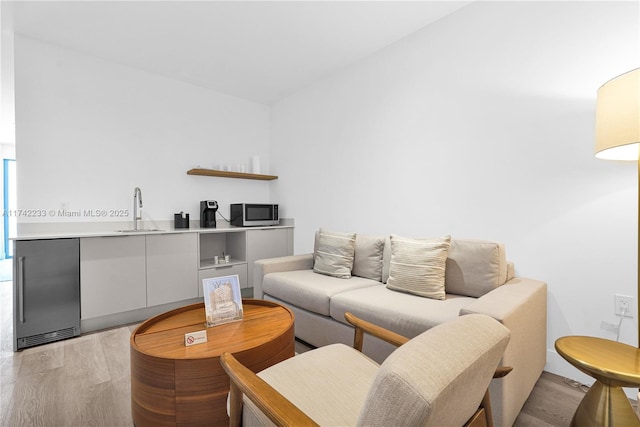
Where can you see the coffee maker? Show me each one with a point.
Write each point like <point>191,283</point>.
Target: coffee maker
<point>208,209</point>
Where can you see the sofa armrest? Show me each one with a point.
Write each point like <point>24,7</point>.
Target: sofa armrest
<point>274,265</point>
<point>520,305</point>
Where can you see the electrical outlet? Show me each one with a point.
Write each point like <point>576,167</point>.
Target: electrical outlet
<point>623,303</point>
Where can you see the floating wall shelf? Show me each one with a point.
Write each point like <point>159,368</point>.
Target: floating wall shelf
<point>226,174</point>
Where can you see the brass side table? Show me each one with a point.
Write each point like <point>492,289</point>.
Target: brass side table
<point>613,365</point>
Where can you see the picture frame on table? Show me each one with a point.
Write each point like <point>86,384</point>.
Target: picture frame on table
<point>222,300</point>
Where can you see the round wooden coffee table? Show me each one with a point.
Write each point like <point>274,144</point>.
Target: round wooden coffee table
<point>172,384</point>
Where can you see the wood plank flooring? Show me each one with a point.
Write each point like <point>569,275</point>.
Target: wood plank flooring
<point>84,381</point>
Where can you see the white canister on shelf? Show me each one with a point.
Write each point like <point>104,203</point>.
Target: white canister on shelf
<point>255,164</point>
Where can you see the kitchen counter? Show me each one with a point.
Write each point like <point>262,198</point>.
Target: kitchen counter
<point>63,230</point>
<point>128,276</point>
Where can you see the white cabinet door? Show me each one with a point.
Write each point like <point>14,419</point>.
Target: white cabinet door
<point>267,243</point>
<point>172,267</point>
<point>112,275</point>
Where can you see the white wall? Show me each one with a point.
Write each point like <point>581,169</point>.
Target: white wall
<point>89,131</point>
<point>480,126</point>
<point>7,119</point>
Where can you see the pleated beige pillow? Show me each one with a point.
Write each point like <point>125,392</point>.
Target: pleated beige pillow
<point>334,253</point>
<point>418,266</point>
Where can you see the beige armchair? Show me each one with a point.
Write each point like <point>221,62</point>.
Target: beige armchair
<point>439,378</point>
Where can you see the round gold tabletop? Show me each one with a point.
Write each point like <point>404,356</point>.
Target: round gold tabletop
<point>610,362</point>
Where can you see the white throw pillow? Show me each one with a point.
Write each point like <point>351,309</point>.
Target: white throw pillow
<point>334,254</point>
<point>418,266</point>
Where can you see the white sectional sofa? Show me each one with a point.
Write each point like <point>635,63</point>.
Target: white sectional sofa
<point>477,279</point>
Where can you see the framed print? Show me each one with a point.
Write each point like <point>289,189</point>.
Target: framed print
<point>222,300</point>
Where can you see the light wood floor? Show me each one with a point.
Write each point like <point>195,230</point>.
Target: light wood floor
<point>84,381</point>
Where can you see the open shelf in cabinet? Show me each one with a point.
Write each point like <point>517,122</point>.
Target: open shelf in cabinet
<point>226,174</point>
<point>221,244</point>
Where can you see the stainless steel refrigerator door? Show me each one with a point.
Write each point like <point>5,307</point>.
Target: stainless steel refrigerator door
<point>46,290</point>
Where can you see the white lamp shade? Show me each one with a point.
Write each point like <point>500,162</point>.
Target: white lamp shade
<point>618,118</point>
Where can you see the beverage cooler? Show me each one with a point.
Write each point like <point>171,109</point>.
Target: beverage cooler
<point>46,294</point>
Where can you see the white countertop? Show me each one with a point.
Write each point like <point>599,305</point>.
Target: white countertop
<point>65,230</point>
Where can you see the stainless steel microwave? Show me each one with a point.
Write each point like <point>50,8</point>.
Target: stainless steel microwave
<point>252,214</point>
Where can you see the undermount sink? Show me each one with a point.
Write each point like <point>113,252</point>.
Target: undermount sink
<point>139,230</point>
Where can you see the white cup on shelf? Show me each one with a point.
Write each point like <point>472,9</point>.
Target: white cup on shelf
<point>255,164</point>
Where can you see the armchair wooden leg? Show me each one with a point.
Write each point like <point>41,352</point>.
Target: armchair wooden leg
<point>358,339</point>
<point>484,415</point>
<point>486,404</point>
<point>235,405</point>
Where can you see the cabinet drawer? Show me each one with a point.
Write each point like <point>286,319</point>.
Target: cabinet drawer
<point>227,270</point>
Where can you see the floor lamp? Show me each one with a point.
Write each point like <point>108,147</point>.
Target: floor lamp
<point>618,132</point>
<point>618,135</point>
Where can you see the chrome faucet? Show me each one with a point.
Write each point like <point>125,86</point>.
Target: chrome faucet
<point>137,207</point>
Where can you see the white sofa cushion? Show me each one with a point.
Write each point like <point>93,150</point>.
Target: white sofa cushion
<point>334,253</point>
<point>309,290</point>
<point>475,267</point>
<point>400,312</point>
<point>418,266</point>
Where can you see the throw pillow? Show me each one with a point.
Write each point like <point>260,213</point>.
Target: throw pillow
<point>475,267</point>
<point>418,266</point>
<point>367,260</point>
<point>334,254</point>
